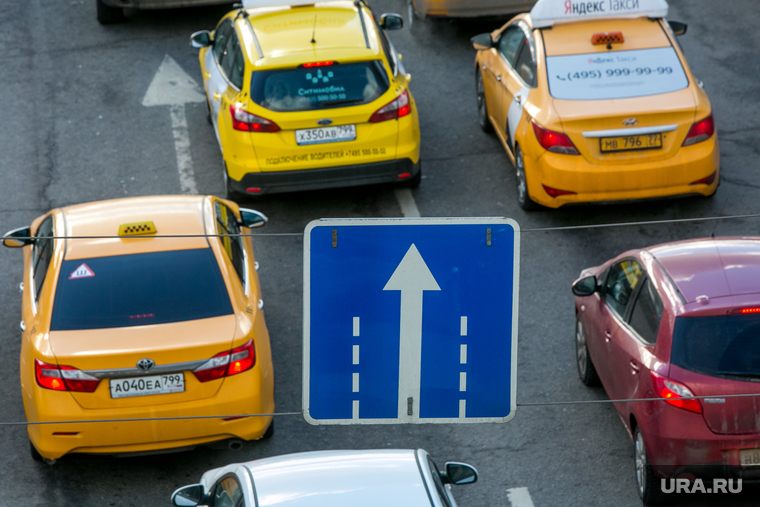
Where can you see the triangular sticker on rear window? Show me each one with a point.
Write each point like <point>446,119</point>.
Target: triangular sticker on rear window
<point>82,271</point>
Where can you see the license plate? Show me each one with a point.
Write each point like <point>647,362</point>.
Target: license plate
<point>326,135</point>
<point>749,457</point>
<point>630,143</point>
<point>146,386</point>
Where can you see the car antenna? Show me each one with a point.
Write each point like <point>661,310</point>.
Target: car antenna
<point>314,30</point>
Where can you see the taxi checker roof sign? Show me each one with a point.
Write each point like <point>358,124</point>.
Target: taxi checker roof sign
<point>255,4</point>
<point>410,320</point>
<point>547,12</point>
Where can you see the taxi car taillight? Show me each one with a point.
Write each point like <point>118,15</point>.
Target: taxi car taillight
<point>393,110</point>
<point>64,378</point>
<point>675,393</point>
<point>556,142</point>
<point>227,364</point>
<point>700,131</point>
<point>247,122</point>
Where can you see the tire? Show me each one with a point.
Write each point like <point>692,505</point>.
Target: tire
<point>413,21</point>
<point>586,370</point>
<point>108,15</point>
<point>36,456</point>
<point>521,183</point>
<point>208,113</point>
<point>415,180</point>
<point>269,433</point>
<point>648,484</point>
<point>230,193</point>
<point>480,94</point>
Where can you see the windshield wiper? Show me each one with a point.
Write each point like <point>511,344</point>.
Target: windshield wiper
<point>338,102</point>
<point>739,374</point>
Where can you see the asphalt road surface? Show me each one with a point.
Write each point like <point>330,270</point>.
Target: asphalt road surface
<point>74,129</point>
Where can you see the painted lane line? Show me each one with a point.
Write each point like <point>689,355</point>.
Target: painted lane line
<point>356,326</point>
<point>463,326</point>
<point>463,353</point>
<point>356,383</point>
<point>462,381</point>
<point>462,409</point>
<point>356,354</point>
<point>406,202</point>
<point>519,497</point>
<point>172,86</point>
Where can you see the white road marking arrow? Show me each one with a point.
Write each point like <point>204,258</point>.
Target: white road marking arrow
<point>412,277</point>
<point>172,86</point>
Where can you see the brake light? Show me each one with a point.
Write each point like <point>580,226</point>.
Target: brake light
<point>676,394</point>
<point>64,378</point>
<point>700,131</point>
<point>555,142</point>
<point>247,122</point>
<point>706,181</point>
<point>317,64</point>
<point>745,311</point>
<point>555,192</point>
<point>226,364</point>
<point>393,110</point>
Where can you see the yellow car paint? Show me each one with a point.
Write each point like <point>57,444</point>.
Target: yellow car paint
<point>250,392</point>
<point>594,176</point>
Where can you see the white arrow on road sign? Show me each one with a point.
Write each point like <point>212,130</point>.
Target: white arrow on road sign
<point>412,277</point>
<point>172,86</point>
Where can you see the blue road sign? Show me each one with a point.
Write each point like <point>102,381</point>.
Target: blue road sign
<point>410,320</point>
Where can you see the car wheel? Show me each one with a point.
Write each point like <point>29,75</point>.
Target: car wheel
<point>521,181</point>
<point>208,113</point>
<point>480,93</point>
<point>415,180</point>
<point>230,193</point>
<point>586,370</point>
<point>269,433</point>
<point>108,15</point>
<point>412,19</point>
<point>648,484</point>
<point>36,456</point>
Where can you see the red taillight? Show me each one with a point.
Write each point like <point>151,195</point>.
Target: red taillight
<point>226,364</point>
<point>317,64</point>
<point>676,394</point>
<point>555,142</point>
<point>706,181</point>
<point>745,311</point>
<point>253,190</point>
<point>555,192</point>
<point>244,121</point>
<point>64,378</point>
<point>393,110</point>
<point>700,131</point>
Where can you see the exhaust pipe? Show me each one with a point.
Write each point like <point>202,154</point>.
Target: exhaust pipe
<point>235,444</point>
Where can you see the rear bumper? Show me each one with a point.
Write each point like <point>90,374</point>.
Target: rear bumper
<point>118,437</point>
<point>161,4</point>
<point>330,177</point>
<point>603,183</point>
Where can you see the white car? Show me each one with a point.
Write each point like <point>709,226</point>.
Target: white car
<point>370,478</point>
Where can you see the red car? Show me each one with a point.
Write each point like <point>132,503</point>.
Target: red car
<point>677,321</point>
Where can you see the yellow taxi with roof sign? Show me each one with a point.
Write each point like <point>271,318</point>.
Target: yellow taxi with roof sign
<point>120,322</point>
<point>594,101</point>
<point>306,96</point>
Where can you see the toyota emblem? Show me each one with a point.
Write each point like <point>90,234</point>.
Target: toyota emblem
<point>630,122</point>
<point>145,364</point>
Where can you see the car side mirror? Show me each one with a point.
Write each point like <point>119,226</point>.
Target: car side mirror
<point>482,42</point>
<point>252,218</point>
<point>678,27</point>
<point>391,22</point>
<point>459,473</point>
<point>188,496</point>
<point>201,39</point>
<point>585,286</point>
<point>18,238</point>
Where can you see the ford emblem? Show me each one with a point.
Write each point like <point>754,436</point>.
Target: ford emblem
<point>145,364</point>
<point>630,122</point>
<point>324,121</point>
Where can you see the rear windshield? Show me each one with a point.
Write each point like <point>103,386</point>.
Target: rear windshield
<point>305,89</point>
<point>139,290</point>
<point>615,75</point>
<point>718,346</point>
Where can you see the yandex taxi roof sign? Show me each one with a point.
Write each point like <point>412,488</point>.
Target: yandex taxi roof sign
<point>255,4</point>
<point>547,12</point>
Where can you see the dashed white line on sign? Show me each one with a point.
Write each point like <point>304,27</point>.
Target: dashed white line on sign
<point>519,497</point>
<point>406,202</point>
<point>463,353</point>
<point>356,383</point>
<point>356,354</point>
<point>463,326</point>
<point>356,326</point>
<point>463,381</point>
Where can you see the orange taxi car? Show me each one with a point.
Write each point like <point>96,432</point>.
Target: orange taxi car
<point>594,101</point>
<point>125,324</point>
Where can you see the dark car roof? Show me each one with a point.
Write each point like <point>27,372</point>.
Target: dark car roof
<point>712,267</point>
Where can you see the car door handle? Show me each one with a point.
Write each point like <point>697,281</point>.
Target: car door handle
<point>607,335</point>
<point>207,75</point>
<point>21,287</point>
<point>22,326</point>
<point>498,77</point>
<point>634,367</point>
<point>217,95</point>
<point>518,99</point>
<point>261,304</point>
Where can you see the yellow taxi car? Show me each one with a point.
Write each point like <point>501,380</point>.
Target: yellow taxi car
<point>594,101</point>
<point>122,323</point>
<point>309,96</point>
